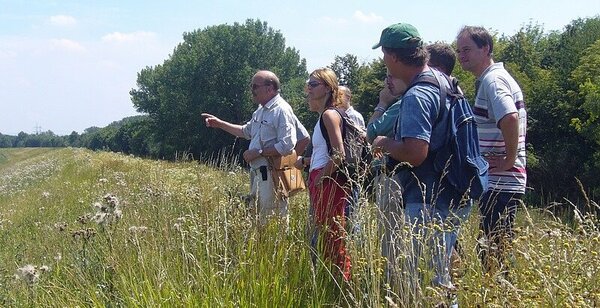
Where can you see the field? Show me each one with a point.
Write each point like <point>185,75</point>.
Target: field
<point>83,228</point>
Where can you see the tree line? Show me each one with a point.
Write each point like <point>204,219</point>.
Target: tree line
<point>210,70</point>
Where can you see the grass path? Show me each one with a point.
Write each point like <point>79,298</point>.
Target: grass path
<point>97,229</point>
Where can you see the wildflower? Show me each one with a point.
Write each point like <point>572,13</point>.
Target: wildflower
<point>103,180</point>
<point>84,234</point>
<point>28,273</point>
<point>58,257</point>
<point>46,194</point>
<point>100,218</point>
<point>83,219</point>
<point>111,200</point>
<point>60,226</point>
<point>108,211</point>
<point>100,207</point>
<point>140,229</point>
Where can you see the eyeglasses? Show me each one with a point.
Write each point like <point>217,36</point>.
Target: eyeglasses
<point>313,84</point>
<point>256,86</point>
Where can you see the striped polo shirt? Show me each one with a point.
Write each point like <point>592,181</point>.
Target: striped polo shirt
<point>498,94</point>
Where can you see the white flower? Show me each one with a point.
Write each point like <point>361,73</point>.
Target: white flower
<point>140,229</point>
<point>111,200</point>
<point>99,206</point>
<point>100,218</point>
<point>46,194</point>
<point>28,273</point>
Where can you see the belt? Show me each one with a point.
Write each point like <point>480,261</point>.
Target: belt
<point>493,154</point>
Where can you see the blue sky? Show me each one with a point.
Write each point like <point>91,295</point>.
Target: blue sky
<point>66,65</point>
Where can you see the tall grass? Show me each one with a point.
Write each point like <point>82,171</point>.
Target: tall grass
<point>185,237</point>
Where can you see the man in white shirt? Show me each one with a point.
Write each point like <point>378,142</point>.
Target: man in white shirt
<point>273,131</point>
<point>356,117</point>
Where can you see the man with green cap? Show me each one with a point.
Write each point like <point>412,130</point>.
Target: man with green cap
<point>428,202</point>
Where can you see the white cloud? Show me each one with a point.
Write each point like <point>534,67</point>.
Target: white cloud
<point>63,20</point>
<point>367,18</point>
<point>137,36</point>
<point>68,45</point>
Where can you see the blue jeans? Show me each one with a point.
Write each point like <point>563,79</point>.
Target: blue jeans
<point>352,211</point>
<point>498,211</point>
<point>435,228</point>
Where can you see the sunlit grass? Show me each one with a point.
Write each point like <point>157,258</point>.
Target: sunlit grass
<point>186,238</point>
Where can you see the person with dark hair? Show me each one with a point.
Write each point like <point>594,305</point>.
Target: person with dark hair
<point>421,130</point>
<point>502,123</point>
<point>442,57</point>
<point>274,130</point>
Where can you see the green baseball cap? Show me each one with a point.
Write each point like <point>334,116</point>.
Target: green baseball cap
<point>400,36</point>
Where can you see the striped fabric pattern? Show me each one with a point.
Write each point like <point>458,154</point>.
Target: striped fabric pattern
<point>498,94</point>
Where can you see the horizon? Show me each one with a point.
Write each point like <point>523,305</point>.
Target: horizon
<point>69,66</point>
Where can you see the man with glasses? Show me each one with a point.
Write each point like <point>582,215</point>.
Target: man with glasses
<point>273,131</point>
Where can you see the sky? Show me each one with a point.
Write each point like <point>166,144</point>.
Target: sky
<point>67,65</point>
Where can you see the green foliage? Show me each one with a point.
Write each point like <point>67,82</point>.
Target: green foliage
<point>366,96</point>
<point>6,141</point>
<point>210,72</point>
<point>587,76</point>
<point>347,70</point>
<point>565,49</point>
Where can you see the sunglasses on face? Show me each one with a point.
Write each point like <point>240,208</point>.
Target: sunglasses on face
<point>313,84</point>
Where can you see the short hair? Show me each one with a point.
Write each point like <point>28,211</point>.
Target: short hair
<point>346,96</point>
<point>345,91</point>
<point>417,56</point>
<point>269,78</point>
<point>479,35</point>
<point>329,78</point>
<point>442,56</point>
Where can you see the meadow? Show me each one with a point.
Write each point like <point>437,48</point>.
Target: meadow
<point>97,229</point>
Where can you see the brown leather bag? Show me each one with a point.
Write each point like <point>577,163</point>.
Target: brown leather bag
<point>287,179</point>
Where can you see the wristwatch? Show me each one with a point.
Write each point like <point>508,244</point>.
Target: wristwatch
<point>260,151</point>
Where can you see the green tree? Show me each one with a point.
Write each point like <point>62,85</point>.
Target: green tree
<point>366,94</point>
<point>565,49</point>
<point>347,70</point>
<point>210,72</point>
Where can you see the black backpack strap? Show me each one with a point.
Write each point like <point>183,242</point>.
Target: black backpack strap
<point>324,133</point>
<point>432,80</point>
<point>343,115</point>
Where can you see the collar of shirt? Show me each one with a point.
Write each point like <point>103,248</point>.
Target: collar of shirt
<point>272,102</point>
<point>494,66</point>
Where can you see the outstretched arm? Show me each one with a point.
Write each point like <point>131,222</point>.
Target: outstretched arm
<point>212,121</point>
